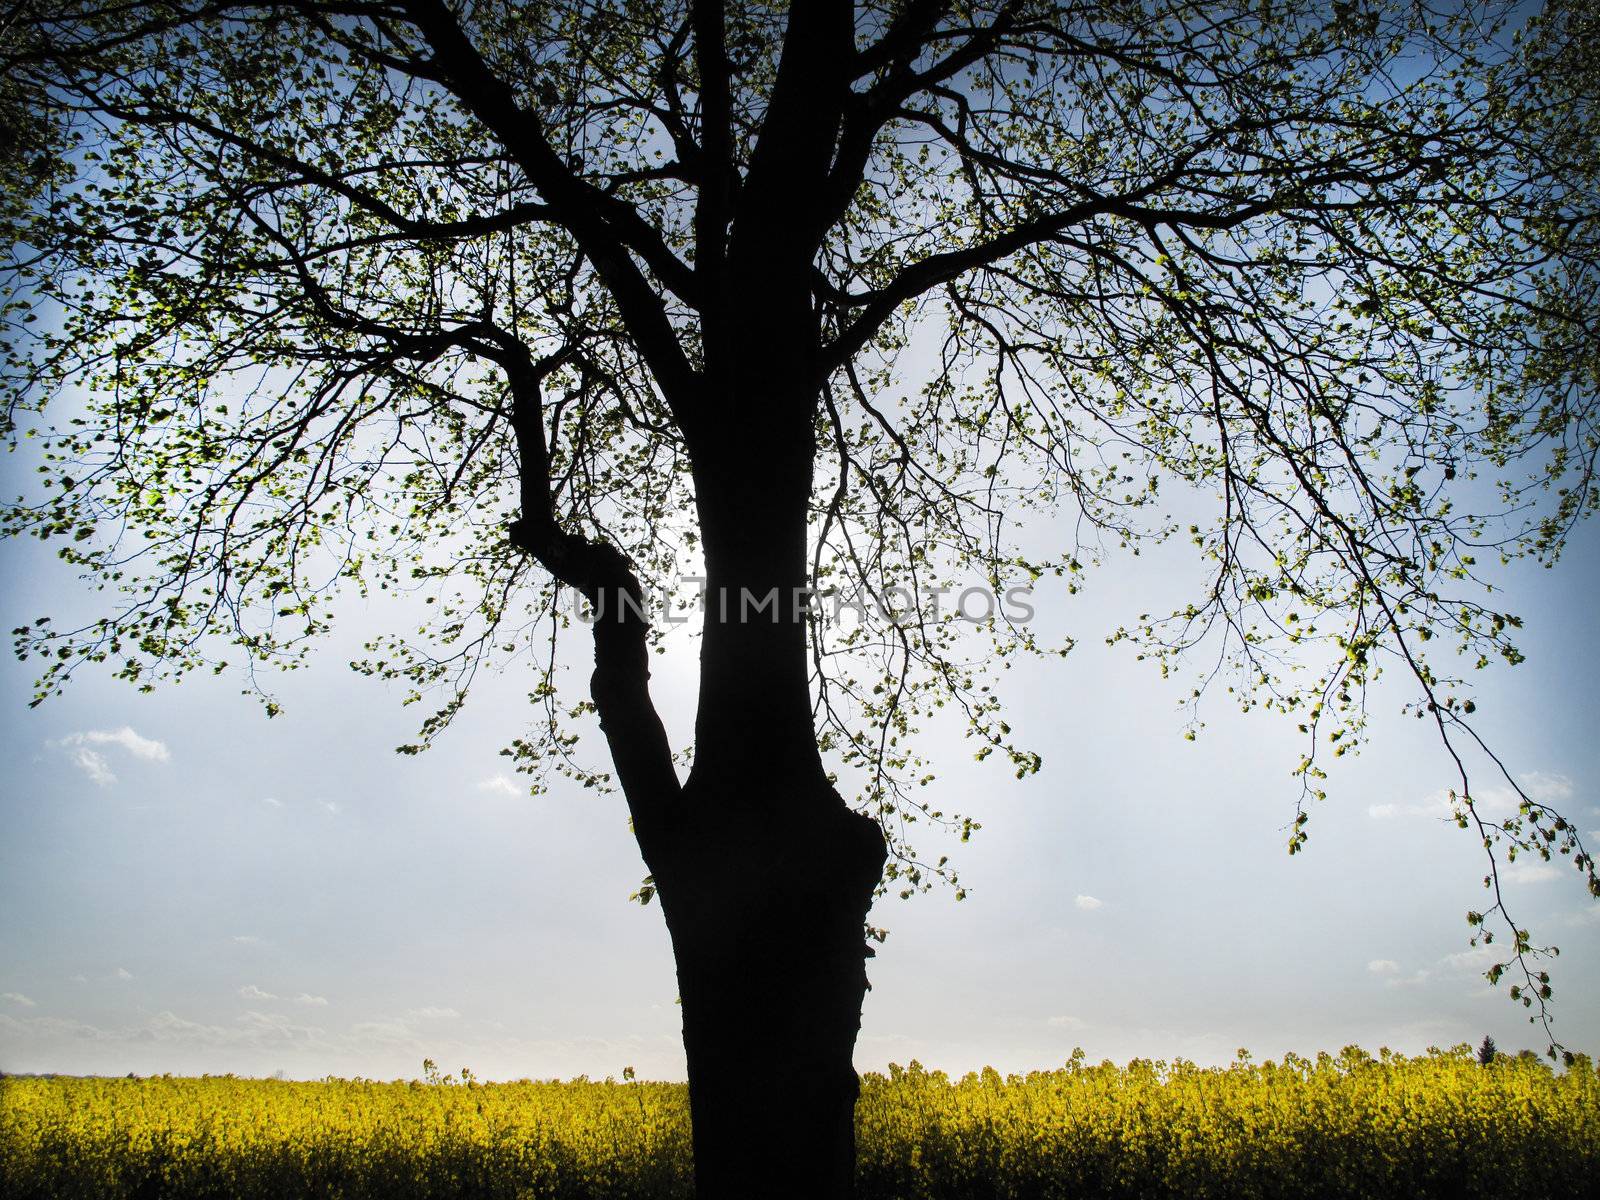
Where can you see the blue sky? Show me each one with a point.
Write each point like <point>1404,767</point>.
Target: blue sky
<point>190,887</point>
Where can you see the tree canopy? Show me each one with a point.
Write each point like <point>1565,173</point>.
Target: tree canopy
<point>426,296</point>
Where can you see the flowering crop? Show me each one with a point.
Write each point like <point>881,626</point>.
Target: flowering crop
<point>1339,1126</point>
<point>1350,1125</point>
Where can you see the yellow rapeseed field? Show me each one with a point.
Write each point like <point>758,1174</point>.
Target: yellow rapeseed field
<point>1350,1125</point>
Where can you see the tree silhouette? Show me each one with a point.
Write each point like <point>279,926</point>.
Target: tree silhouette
<point>496,302</point>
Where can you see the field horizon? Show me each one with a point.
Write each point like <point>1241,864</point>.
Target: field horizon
<point>1354,1124</point>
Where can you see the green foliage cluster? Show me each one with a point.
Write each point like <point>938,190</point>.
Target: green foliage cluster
<point>1349,1125</point>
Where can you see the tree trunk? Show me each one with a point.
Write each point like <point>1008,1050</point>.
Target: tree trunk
<point>767,928</point>
<point>765,876</point>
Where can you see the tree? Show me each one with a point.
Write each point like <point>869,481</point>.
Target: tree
<point>496,302</point>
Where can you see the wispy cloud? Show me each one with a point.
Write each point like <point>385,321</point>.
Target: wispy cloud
<point>17,998</point>
<point>1416,979</point>
<point>86,755</point>
<point>1383,966</point>
<point>310,1046</point>
<point>389,1031</point>
<point>1066,1022</point>
<point>1436,805</point>
<point>251,992</point>
<point>139,747</point>
<point>122,973</point>
<point>1532,872</point>
<point>308,998</point>
<point>432,1013</point>
<point>250,1028</point>
<point>272,802</point>
<point>501,785</point>
<point>167,1028</point>
<point>1088,903</point>
<point>245,939</point>
<point>331,805</point>
<point>1490,802</point>
<point>93,764</point>
<point>1478,959</point>
<point>1546,787</point>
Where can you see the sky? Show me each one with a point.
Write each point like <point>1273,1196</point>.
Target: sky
<point>190,887</point>
<point>187,886</point>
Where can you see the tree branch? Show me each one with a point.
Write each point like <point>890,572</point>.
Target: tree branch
<point>606,227</point>
<point>894,53</point>
<point>713,208</point>
<point>602,575</point>
<point>791,157</point>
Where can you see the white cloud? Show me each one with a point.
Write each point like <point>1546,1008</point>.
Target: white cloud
<point>93,763</point>
<point>250,1028</point>
<point>1088,903</point>
<point>1546,787</point>
<point>17,998</point>
<point>1478,959</point>
<point>251,992</point>
<point>501,785</point>
<point>166,1027</point>
<point>272,802</point>
<point>1415,979</point>
<point>80,979</point>
<point>122,973</point>
<point>37,1028</point>
<point>331,805</point>
<point>1436,805</point>
<point>139,747</point>
<point>265,1041</point>
<point>432,1013</point>
<point>1532,872</point>
<point>307,998</point>
<point>1491,803</point>
<point>274,1027</point>
<point>384,1031</point>
<point>1067,1022</point>
<point>1383,966</point>
<point>245,939</point>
